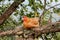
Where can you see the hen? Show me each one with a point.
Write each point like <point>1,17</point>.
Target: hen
<point>30,22</point>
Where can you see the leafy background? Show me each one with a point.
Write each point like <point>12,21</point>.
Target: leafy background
<point>30,8</point>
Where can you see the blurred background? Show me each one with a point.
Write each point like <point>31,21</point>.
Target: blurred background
<point>30,8</point>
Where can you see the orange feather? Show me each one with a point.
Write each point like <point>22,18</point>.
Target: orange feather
<point>30,22</point>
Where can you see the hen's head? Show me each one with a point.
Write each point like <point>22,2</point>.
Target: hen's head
<point>25,18</point>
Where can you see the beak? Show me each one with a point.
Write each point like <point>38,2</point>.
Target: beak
<point>22,18</point>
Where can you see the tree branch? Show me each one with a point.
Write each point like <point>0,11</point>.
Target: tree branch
<point>41,17</point>
<point>9,11</point>
<point>37,31</point>
<point>53,6</point>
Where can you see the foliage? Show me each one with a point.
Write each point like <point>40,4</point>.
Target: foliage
<point>32,9</point>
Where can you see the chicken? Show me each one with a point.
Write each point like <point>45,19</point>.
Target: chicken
<point>30,22</point>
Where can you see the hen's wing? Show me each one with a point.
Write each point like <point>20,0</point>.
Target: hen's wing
<point>33,22</point>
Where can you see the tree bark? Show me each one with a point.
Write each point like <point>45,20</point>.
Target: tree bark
<point>9,11</point>
<point>36,31</point>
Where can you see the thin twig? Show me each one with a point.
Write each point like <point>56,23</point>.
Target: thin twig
<point>41,17</point>
<point>49,20</point>
<point>53,6</point>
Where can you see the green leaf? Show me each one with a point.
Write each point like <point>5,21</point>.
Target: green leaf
<point>40,1</point>
<point>9,0</point>
<point>1,0</point>
<point>56,10</point>
<point>51,0</point>
<point>56,0</point>
<point>40,6</point>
